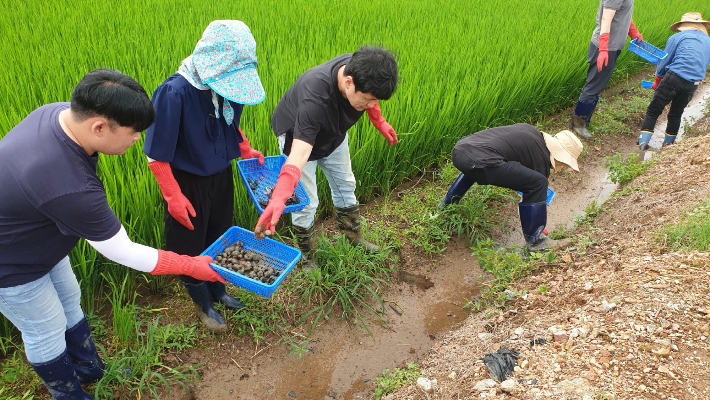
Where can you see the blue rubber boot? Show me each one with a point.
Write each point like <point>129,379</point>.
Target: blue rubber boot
<point>644,138</point>
<point>219,293</point>
<point>458,188</point>
<point>669,139</point>
<point>203,304</point>
<point>82,350</point>
<point>60,379</point>
<point>533,218</point>
<point>582,117</point>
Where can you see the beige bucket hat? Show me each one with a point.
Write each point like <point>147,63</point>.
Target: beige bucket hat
<point>689,21</point>
<point>564,147</point>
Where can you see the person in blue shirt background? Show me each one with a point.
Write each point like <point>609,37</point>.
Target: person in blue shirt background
<point>190,147</point>
<point>678,75</point>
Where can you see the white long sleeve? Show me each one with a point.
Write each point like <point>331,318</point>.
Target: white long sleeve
<point>122,250</point>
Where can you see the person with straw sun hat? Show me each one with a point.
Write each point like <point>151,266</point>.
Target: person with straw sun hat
<point>192,143</point>
<point>678,75</point>
<point>517,157</point>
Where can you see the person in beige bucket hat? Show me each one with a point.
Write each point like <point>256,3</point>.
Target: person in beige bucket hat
<point>678,75</point>
<point>517,157</point>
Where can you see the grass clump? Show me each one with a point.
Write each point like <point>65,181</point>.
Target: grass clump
<point>395,378</point>
<point>348,281</point>
<point>623,170</point>
<point>692,232</point>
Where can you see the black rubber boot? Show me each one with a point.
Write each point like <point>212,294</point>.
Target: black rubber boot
<point>349,224</point>
<point>582,117</point>
<point>218,292</point>
<point>82,350</point>
<point>60,379</point>
<point>306,241</point>
<point>208,315</point>
<point>533,218</point>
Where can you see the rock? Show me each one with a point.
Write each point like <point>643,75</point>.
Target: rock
<point>452,375</point>
<point>588,375</point>
<point>509,385</point>
<point>519,331</point>
<point>576,386</point>
<point>606,307</point>
<point>561,337</point>
<point>663,369</point>
<point>291,394</point>
<point>425,384</point>
<point>484,335</point>
<point>588,287</point>
<point>662,351</point>
<point>485,384</point>
<point>524,364</point>
<point>674,347</point>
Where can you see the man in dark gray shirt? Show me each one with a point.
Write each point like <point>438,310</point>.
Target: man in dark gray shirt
<point>311,123</point>
<point>609,37</point>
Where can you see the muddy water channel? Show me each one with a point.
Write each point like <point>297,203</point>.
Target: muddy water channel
<point>343,362</point>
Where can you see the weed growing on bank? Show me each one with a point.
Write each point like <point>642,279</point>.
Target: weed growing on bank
<point>692,232</point>
<point>623,170</point>
<point>392,379</point>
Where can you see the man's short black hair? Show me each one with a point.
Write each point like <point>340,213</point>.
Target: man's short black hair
<point>114,95</point>
<point>374,71</point>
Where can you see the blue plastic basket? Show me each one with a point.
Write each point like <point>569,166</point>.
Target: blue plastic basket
<point>647,51</point>
<point>267,174</point>
<point>646,84</point>
<point>550,195</point>
<point>277,254</point>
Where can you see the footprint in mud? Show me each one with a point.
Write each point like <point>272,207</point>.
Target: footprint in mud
<point>420,281</point>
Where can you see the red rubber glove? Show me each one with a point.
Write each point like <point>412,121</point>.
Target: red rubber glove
<point>247,151</point>
<point>656,82</point>
<point>178,205</point>
<point>375,115</point>
<point>287,182</point>
<point>197,267</point>
<point>603,57</point>
<point>634,33</point>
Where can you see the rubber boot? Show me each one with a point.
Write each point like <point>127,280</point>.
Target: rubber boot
<point>458,188</point>
<point>669,139</point>
<point>60,378</point>
<point>82,351</point>
<point>349,224</point>
<point>582,117</point>
<point>219,294</point>
<point>306,241</point>
<point>533,218</point>
<point>208,315</point>
<point>644,138</point>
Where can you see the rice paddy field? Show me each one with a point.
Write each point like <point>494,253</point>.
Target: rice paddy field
<point>464,66</point>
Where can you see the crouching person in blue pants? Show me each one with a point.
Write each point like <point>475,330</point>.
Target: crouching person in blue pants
<point>50,197</point>
<point>678,75</point>
<point>517,157</point>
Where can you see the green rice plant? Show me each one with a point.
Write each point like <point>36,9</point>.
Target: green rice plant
<point>692,232</point>
<point>349,281</point>
<point>392,379</point>
<point>124,313</point>
<point>623,170</point>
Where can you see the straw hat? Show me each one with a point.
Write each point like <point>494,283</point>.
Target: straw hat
<point>691,20</point>
<point>564,147</point>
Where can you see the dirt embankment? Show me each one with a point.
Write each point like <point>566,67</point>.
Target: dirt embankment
<point>622,318</point>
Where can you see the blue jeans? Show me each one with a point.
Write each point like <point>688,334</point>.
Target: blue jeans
<point>339,172</point>
<point>43,310</point>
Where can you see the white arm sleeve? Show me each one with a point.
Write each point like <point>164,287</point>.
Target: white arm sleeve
<point>150,160</point>
<point>122,250</point>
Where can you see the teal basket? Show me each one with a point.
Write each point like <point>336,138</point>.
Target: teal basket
<point>550,196</point>
<point>266,175</point>
<point>647,51</point>
<point>277,254</point>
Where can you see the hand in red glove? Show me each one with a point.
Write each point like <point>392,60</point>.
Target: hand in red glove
<point>288,179</point>
<point>197,267</point>
<point>375,115</point>
<point>247,151</point>
<point>634,33</point>
<point>603,57</point>
<point>178,205</point>
<point>656,82</point>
